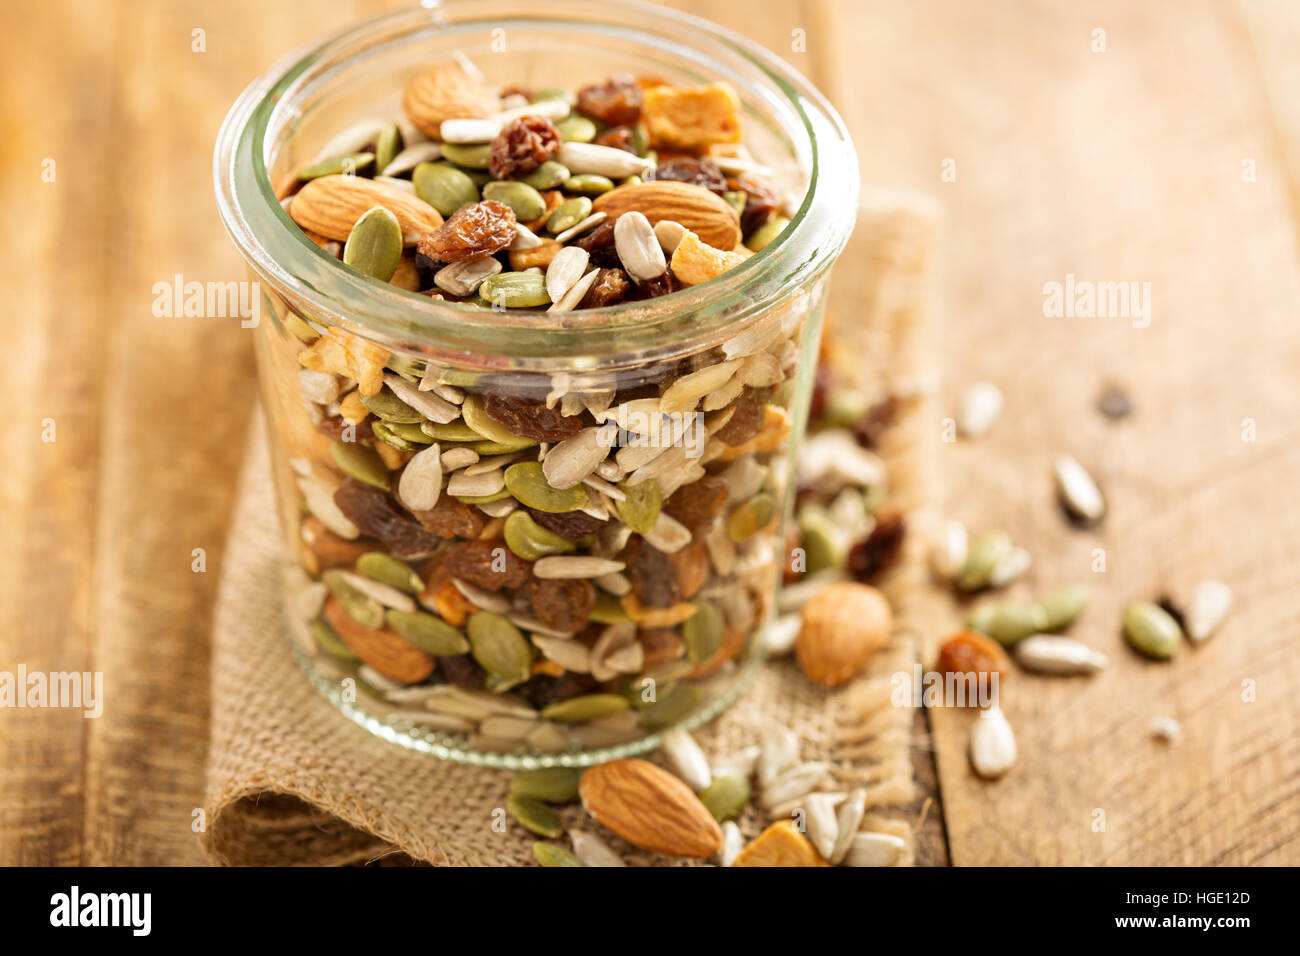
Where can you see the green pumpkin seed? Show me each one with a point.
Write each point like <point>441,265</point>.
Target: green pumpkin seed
<point>630,181</point>
<point>524,201</point>
<point>328,640</point>
<point>476,156</point>
<point>549,175</point>
<point>736,198</point>
<point>762,237</point>
<point>726,797</point>
<point>549,784</point>
<point>577,710</point>
<point>821,539</point>
<point>384,432</point>
<point>553,93</point>
<point>387,145</point>
<point>749,517</point>
<point>640,510</point>
<point>534,816</point>
<point>428,633</point>
<point>387,569</point>
<point>568,213</point>
<point>516,290</point>
<point>444,187</point>
<point>528,483</point>
<point>576,128</point>
<point>589,184</point>
<point>703,632</point>
<point>485,447</point>
<point>374,245</point>
<point>412,434</point>
<point>479,177</point>
<point>384,404</point>
<point>499,646</point>
<point>349,164</point>
<point>361,462</point>
<point>672,706</point>
<point>530,541</point>
<point>452,431</point>
<point>984,554</point>
<point>1151,630</point>
<point>548,854</point>
<point>981,618</point>
<point>1011,623</point>
<point>1063,606</point>
<point>640,139</point>
<point>608,610</point>
<point>362,608</point>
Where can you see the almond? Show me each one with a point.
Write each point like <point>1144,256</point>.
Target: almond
<point>443,93</point>
<point>704,213</point>
<point>385,651</point>
<point>330,205</point>
<point>781,844</point>
<point>650,808</point>
<point>843,625</point>
<point>695,262</point>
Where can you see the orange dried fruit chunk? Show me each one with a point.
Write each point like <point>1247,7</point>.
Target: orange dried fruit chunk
<point>694,262</point>
<point>781,844</point>
<point>343,353</point>
<point>691,117</point>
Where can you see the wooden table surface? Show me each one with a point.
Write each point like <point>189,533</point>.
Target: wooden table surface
<point>1173,157</point>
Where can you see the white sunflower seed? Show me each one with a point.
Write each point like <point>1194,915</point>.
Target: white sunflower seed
<point>567,303</point>
<point>794,783</point>
<point>733,841</point>
<point>1058,655</point>
<point>581,158</point>
<point>319,496</point>
<point>723,396</point>
<point>735,165</point>
<point>492,463</point>
<point>352,139</point>
<point>741,763</point>
<point>499,508</point>
<point>833,459</point>
<point>819,819</point>
<point>847,821</point>
<point>687,759</point>
<point>565,269</point>
<point>948,555</point>
<point>592,850</point>
<point>638,249</point>
<point>685,393</point>
<point>981,404</point>
<point>778,750</point>
<point>875,849</point>
<point>992,744</point>
<point>755,338</point>
<point>385,595</point>
<point>468,130</point>
<point>454,458</point>
<point>412,156</point>
<point>1210,604</point>
<point>449,393</point>
<point>1078,490</point>
<point>551,109</point>
<point>1009,567</point>
<point>534,626</point>
<point>604,487</point>
<point>320,387</point>
<point>488,483</point>
<point>548,738</point>
<point>570,654</point>
<point>464,278</point>
<point>615,583</point>
<point>761,370</point>
<point>524,238</point>
<point>481,598</point>
<point>427,404</point>
<point>581,226</point>
<point>612,639</point>
<point>1165,728</point>
<point>420,484</point>
<point>668,534</point>
<point>781,633</point>
<point>558,567</point>
<point>669,234</point>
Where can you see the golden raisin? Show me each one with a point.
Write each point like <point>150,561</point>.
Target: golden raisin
<point>973,658</point>
<point>616,102</point>
<point>524,144</point>
<point>472,232</point>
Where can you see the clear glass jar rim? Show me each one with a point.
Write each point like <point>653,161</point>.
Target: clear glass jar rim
<point>625,334</point>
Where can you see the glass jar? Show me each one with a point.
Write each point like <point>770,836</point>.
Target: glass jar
<point>472,652</point>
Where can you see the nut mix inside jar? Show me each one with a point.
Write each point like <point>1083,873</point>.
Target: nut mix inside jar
<point>532,548</point>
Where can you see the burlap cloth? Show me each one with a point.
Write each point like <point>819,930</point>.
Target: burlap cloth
<point>291,781</point>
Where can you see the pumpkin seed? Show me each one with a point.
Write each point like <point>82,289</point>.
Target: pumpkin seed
<point>525,201</point>
<point>412,156</point>
<point>483,425</point>
<point>548,784</point>
<point>501,495</point>
<point>1014,564</point>
<point>328,640</point>
<point>1063,606</point>
<point>1014,622</point>
<point>548,854</point>
<point>553,93</point>
<point>384,404</point>
<point>983,556</point>
<point>385,434</point>
<point>595,219</point>
<point>360,607</point>
<point>515,290</point>
<point>578,710</point>
<point>747,519</point>
<point>549,175</point>
<point>640,508</point>
<point>360,462</point>
<point>762,237</point>
<point>387,569</point>
<point>726,798</point>
<point>589,184</point>
<point>568,214</point>
<point>822,539</point>
<point>428,633</point>
<point>498,646</point>
<point>576,128</point>
<point>413,434</point>
<point>530,541</point>
<point>981,617</point>
<point>444,187</point>
<point>472,156</point>
<point>527,482</point>
<point>485,447</point>
<point>387,145</point>
<point>608,610</point>
<point>534,816</point>
<point>1151,630</point>
<point>703,632</point>
<point>672,706</point>
<point>374,245</point>
<point>349,164</point>
<point>592,850</point>
<point>451,431</point>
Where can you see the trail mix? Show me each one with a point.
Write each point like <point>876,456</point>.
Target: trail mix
<point>531,561</point>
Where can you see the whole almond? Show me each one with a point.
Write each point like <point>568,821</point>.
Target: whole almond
<point>704,213</point>
<point>443,93</point>
<point>843,625</point>
<point>384,650</point>
<point>650,808</point>
<point>331,205</point>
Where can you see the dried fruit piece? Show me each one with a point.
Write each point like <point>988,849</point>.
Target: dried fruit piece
<point>653,577</point>
<point>843,625</point>
<point>572,525</point>
<point>343,353</point>
<point>696,171</point>
<point>562,604</point>
<point>450,518</point>
<point>698,503</point>
<point>612,287</point>
<point>599,243</point>
<point>616,102</point>
<point>378,515</point>
<point>472,232</point>
<point>760,202</point>
<point>650,808</point>
<point>691,117</point>
<point>880,549</point>
<point>524,144</point>
<point>781,844</point>
<point>746,421</point>
<point>488,564</point>
<point>695,262</point>
<point>531,419</point>
<point>973,659</point>
<point>618,137</point>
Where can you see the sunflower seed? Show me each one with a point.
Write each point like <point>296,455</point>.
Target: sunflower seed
<point>535,626</point>
<point>781,633</point>
<point>794,783</point>
<point>1058,655</point>
<point>420,483</point>
<point>500,508</point>
<point>320,387</point>
<point>429,405</point>
<point>669,234</point>
<point>319,496</point>
<point>733,841</point>
<point>565,269</point>
<point>581,226</point>
<point>1165,728</point>
<point>572,655</point>
<point>1152,630</point>
<point>602,160</point>
<point>875,849</point>
<point>755,338</point>
<point>436,721</point>
<point>615,583</point>
<point>683,394</point>
<point>559,567</point>
<point>761,370</point>
<point>821,823</point>
<point>668,534</point>
<point>487,483</point>
<point>1210,604</point>
<point>464,278</point>
<point>378,591</point>
<point>551,109</point>
<point>848,819</point>
<point>454,458</point>
<point>638,249</point>
<point>377,680</point>
<point>592,850</point>
<point>468,130</point>
<point>525,238</point>
<point>482,599</point>
<point>833,459</point>
<point>738,764</point>
<point>687,759</point>
<point>735,165</point>
<point>412,156</point>
<point>992,744</point>
<point>574,459</point>
<point>1079,493</point>
<point>507,728</point>
<point>476,704</point>
<point>981,404</point>
<point>1009,567</point>
<point>777,752</point>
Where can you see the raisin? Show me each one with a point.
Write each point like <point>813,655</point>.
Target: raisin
<point>543,689</point>
<point>462,670</point>
<point>488,564</point>
<point>378,515</point>
<point>745,422</point>
<point>618,137</point>
<point>450,518</point>
<point>697,172</point>
<point>472,232</point>
<point>653,576</point>
<point>572,525</point>
<point>659,285</point>
<point>869,428</point>
<point>661,646</point>
<point>531,419</point>
<point>699,502</point>
<point>524,144</point>
<point>972,657</point>
<point>427,268</point>
<point>561,603</point>
<point>760,202</point>
<point>610,288</point>
<point>616,102</point>
<point>879,549</point>
<point>334,427</point>
<point>823,381</point>
<point>600,244</point>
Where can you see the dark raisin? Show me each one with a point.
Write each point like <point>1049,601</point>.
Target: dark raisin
<point>618,137</point>
<point>653,288</point>
<point>745,422</point>
<point>572,525</point>
<point>450,518</point>
<point>610,288</point>
<point>760,202</point>
<point>489,564</point>
<point>472,232</point>
<point>698,172</point>
<point>600,244</point>
<point>699,502</point>
<point>870,427</point>
<point>461,670</point>
<point>427,268</point>
<point>878,550</point>
<point>1114,403</point>
<point>544,689</point>
<point>616,102</point>
<point>524,144</point>
<point>531,419</point>
<point>559,603</point>
<point>378,515</point>
<point>653,576</point>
